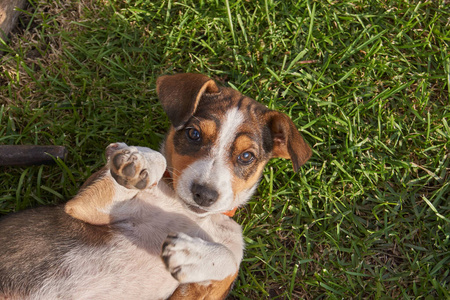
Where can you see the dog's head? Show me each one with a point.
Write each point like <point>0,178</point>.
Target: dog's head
<point>220,141</point>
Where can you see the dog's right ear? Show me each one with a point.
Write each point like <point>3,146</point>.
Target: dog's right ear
<point>287,141</point>
<point>180,94</point>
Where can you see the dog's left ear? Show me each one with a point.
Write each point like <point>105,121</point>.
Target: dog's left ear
<point>287,141</point>
<point>180,94</point>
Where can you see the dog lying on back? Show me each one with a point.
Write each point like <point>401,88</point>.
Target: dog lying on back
<point>152,226</point>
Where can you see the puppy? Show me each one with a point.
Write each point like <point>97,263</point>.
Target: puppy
<point>130,234</point>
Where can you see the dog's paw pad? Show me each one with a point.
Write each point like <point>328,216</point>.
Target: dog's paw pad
<point>143,180</point>
<point>128,168</point>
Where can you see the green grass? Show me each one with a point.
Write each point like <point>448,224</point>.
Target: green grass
<point>367,83</point>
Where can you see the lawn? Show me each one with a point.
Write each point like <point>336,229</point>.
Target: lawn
<point>366,82</point>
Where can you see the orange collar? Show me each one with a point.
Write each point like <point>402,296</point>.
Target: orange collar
<point>229,213</point>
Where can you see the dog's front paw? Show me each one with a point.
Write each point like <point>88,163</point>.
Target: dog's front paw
<point>182,256</point>
<point>135,167</point>
<point>191,259</point>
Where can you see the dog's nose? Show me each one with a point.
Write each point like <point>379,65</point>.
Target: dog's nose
<point>204,195</point>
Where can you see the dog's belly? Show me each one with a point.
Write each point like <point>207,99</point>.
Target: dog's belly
<point>120,270</point>
<point>46,254</point>
<point>130,263</point>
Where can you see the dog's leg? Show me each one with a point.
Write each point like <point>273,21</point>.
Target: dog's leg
<point>215,290</point>
<point>128,171</point>
<point>192,260</point>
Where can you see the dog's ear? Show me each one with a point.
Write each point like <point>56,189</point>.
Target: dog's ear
<point>180,94</point>
<point>287,141</point>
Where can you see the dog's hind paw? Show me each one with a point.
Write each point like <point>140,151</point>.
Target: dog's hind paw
<point>135,167</point>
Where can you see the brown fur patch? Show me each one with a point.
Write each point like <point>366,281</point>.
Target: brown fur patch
<point>176,163</point>
<point>240,185</point>
<point>216,290</point>
<point>244,143</point>
<point>179,163</point>
<point>208,129</point>
<point>97,193</point>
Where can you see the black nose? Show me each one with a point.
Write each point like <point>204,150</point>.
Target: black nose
<point>204,195</point>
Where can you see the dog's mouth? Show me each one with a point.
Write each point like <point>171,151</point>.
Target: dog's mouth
<point>196,209</point>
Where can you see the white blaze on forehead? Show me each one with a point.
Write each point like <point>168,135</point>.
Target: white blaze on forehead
<point>220,174</point>
<point>227,132</point>
<point>214,170</point>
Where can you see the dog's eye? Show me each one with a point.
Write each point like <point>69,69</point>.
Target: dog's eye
<point>246,158</point>
<point>193,134</point>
